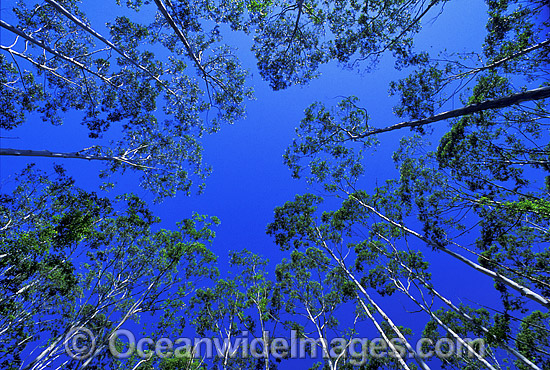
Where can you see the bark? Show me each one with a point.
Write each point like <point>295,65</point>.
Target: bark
<point>172,23</point>
<point>133,310</point>
<point>91,31</point>
<point>516,353</point>
<point>442,324</point>
<point>257,299</point>
<point>71,155</point>
<point>122,288</point>
<point>363,291</point>
<point>50,50</point>
<point>47,153</point>
<point>523,290</point>
<point>530,95</point>
<point>512,350</point>
<point>321,338</point>
<point>381,331</point>
<point>38,65</point>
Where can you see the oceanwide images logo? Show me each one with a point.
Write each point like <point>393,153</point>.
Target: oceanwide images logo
<point>81,344</point>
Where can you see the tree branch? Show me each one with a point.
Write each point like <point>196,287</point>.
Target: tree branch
<point>91,31</point>
<point>523,290</point>
<point>57,54</point>
<point>503,60</point>
<point>530,95</point>
<point>65,155</point>
<point>186,44</point>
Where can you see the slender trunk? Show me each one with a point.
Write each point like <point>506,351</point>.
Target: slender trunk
<point>91,31</point>
<point>381,331</point>
<point>395,329</point>
<point>71,155</point>
<point>135,308</point>
<point>512,350</point>
<point>188,48</point>
<point>47,355</point>
<point>457,337</point>
<point>524,291</point>
<point>47,153</point>
<point>186,44</point>
<point>227,353</point>
<point>521,357</point>
<point>535,94</point>
<point>38,65</point>
<point>262,326</point>
<point>321,337</point>
<point>50,50</point>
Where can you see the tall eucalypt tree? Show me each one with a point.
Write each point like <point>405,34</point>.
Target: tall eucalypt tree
<point>158,83</point>
<point>71,259</point>
<point>472,185</point>
<point>158,86</point>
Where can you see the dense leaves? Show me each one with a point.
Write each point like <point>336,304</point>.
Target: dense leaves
<point>119,80</point>
<point>471,186</point>
<point>479,195</point>
<point>72,259</point>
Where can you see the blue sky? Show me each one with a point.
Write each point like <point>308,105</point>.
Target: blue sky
<point>249,178</point>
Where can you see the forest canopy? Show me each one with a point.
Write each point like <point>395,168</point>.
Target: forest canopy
<point>360,265</point>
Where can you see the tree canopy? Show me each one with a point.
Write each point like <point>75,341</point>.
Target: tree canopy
<point>357,281</point>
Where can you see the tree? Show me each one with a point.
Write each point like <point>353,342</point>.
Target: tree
<point>481,194</point>
<point>296,225</point>
<point>471,184</point>
<point>58,62</point>
<point>313,290</point>
<point>117,83</point>
<point>300,36</point>
<point>71,259</point>
<point>237,316</point>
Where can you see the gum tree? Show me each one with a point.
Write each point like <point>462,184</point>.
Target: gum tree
<point>71,259</point>
<point>237,316</point>
<point>479,196</point>
<point>151,85</point>
<point>314,292</point>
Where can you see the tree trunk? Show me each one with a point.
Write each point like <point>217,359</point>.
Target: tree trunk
<point>47,153</point>
<point>457,337</point>
<point>521,357</point>
<point>523,290</point>
<point>395,329</point>
<point>535,94</point>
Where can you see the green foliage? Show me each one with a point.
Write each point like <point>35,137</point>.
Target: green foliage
<point>533,337</point>
<point>71,258</point>
<point>178,363</point>
<point>480,193</point>
<point>469,330</point>
<point>240,306</point>
<point>299,37</point>
<point>121,84</point>
<point>322,136</point>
